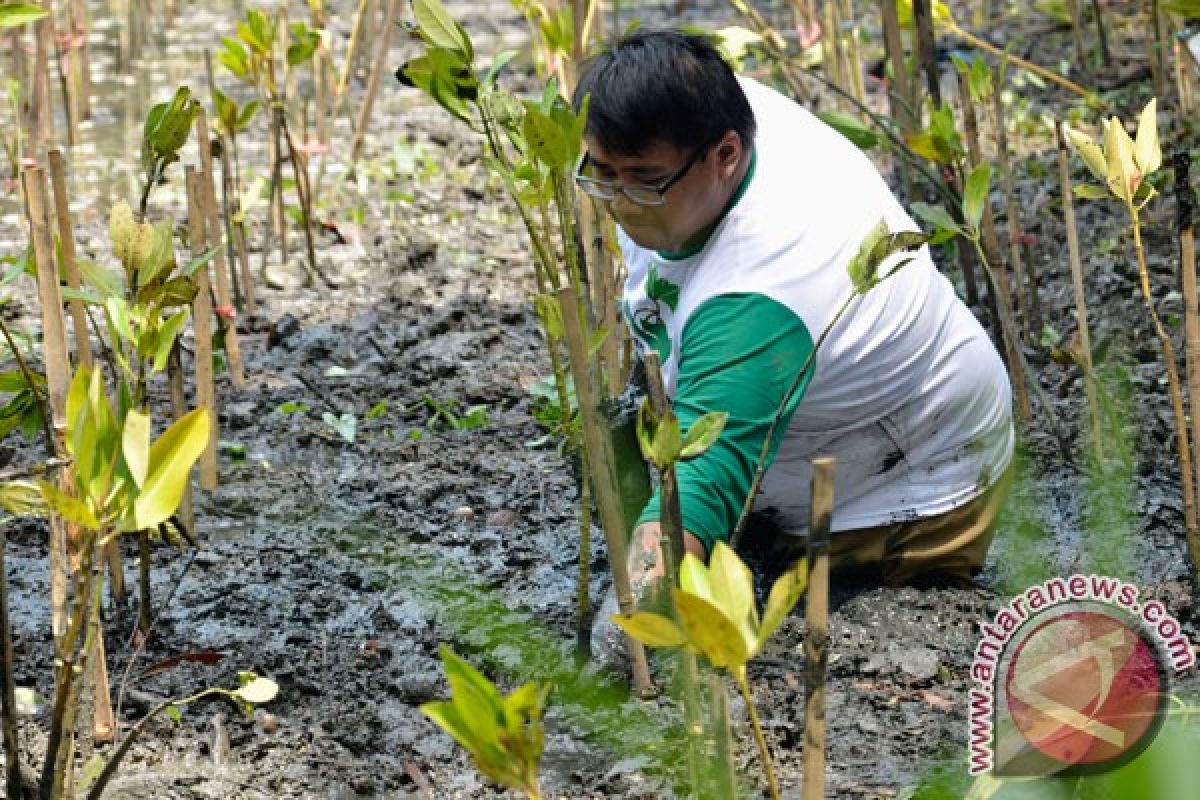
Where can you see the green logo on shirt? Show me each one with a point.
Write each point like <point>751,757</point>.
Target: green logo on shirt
<point>647,322</point>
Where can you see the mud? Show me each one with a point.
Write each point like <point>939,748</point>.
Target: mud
<point>337,568</point>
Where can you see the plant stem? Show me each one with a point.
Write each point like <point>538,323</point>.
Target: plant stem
<point>1181,429</point>
<point>582,600</point>
<point>43,408</point>
<point>764,752</point>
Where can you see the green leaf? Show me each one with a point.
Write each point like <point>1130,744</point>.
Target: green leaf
<point>440,29</point>
<point>499,63</point>
<point>91,771</point>
<point>162,253</point>
<point>550,313</point>
<point>103,280</point>
<point>22,497</point>
<point>975,194</point>
<point>667,441</point>
<point>546,138</point>
<point>258,691</point>
<point>291,407</point>
<point>247,114</point>
<point>850,127</point>
<point>1190,9</point>
<point>709,632</point>
<point>863,267</point>
<point>172,130</point>
<point>135,445</point>
<point>69,508</point>
<point>14,15</point>
<point>1089,151</point>
<point>165,340</point>
<point>652,630</point>
<point>174,713</point>
<point>378,410</point>
<point>1091,191</point>
<point>786,592</point>
<point>170,465</point>
<point>234,57</point>
<point>703,433</point>
<point>936,216</point>
<point>305,44</point>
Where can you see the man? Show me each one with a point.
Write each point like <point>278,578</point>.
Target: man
<point>738,213</point>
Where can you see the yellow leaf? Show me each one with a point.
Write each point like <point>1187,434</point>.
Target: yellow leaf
<point>1091,153</point>
<point>135,445</point>
<point>1123,177</point>
<point>694,578</point>
<point>171,460</point>
<point>653,630</point>
<point>72,509</point>
<point>733,590</point>
<point>1146,150</point>
<point>784,595</point>
<point>710,633</point>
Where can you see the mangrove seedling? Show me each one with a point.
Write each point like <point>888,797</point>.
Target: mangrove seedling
<point>504,735</point>
<point>163,135</point>
<point>446,412</point>
<point>716,618</point>
<point>1122,166</point>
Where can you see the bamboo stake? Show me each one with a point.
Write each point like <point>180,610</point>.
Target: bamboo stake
<point>832,57</point>
<point>212,224</point>
<point>62,63</point>
<point>79,30</point>
<point>1026,287</point>
<point>816,639</point>
<point>378,70</point>
<point>66,235</point>
<point>904,110</point>
<point>202,313</point>
<point>851,51</point>
<point>58,378</point>
<point>1187,265</point>
<point>726,767</point>
<point>1085,343</point>
<point>39,131</point>
<point>597,447</point>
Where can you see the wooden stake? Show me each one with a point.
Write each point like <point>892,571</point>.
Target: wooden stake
<point>597,447</point>
<point>904,98</point>
<point>202,314</point>
<point>66,235</point>
<point>816,639</point>
<point>926,49</point>
<point>178,393</point>
<point>1187,268</point>
<point>79,28</point>
<point>1085,342</point>
<point>378,70</point>
<point>212,223</point>
<point>63,58</point>
<point>39,128</point>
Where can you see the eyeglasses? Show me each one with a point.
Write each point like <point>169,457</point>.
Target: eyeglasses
<point>641,194</point>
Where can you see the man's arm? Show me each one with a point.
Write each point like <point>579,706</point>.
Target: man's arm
<point>740,353</point>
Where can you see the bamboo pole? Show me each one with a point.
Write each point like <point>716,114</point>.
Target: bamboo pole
<point>1026,286</point>
<point>66,235</point>
<point>212,223</point>
<point>1187,268</point>
<point>178,394</point>
<point>852,52</point>
<point>816,639</point>
<point>1085,343</point>
<point>597,447</point>
<point>79,30</point>
<point>905,110</point>
<point>39,129</point>
<point>378,70</point>
<point>62,63</point>
<point>202,314</point>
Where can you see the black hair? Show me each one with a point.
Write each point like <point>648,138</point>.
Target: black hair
<point>662,86</point>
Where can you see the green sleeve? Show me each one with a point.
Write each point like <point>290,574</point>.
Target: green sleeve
<point>739,354</point>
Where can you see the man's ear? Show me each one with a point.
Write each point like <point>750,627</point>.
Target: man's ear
<point>729,154</point>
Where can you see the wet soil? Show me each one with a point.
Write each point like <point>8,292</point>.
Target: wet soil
<point>338,567</point>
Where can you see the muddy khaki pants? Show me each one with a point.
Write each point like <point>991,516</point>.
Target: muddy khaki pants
<point>943,550</point>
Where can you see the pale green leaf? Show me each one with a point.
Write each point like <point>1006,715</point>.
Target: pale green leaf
<point>1089,151</point>
<point>936,216</point>
<point>135,445</point>
<point>171,460</point>
<point>546,138</point>
<point>441,29</point>
<point>667,441</point>
<point>850,127</point>
<point>786,592</point>
<point>1146,150</point>
<point>703,434</point>
<point>1122,176</point>
<point>709,632</point>
<point>550,313</point>
<point>694,578</point>
<point>1092,191</point>
<point>975,194</point>
<point>21,497</point>
<point>14,15</point>
<point>167,334</point>
<point>258,691</point>
<point>653,630</point>
<point>69,508</point>
<point>733,591</point>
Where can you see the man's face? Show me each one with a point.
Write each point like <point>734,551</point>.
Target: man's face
<point>693,202</point>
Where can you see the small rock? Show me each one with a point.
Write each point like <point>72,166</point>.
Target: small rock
<point>464,513</point>
<point>503,518</point>
<point>270,722</point>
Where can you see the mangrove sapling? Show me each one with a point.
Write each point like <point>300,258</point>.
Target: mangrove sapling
<point>446,412</point>
<point>663,445</point>
<point>533,146</point>
<point>715,615</point>
<point>1122,166</point>
<point>879,246</point>
<point>1187,267</point>
<point>252,691</point>
<point>378,70</point>
<point>504,735</point>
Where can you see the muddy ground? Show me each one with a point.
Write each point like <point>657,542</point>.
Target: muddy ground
<point>337,568</point>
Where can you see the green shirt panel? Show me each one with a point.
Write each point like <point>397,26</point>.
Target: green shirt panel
<point>739,354</point>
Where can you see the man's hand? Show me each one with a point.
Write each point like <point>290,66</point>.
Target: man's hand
<point>647,561</point>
